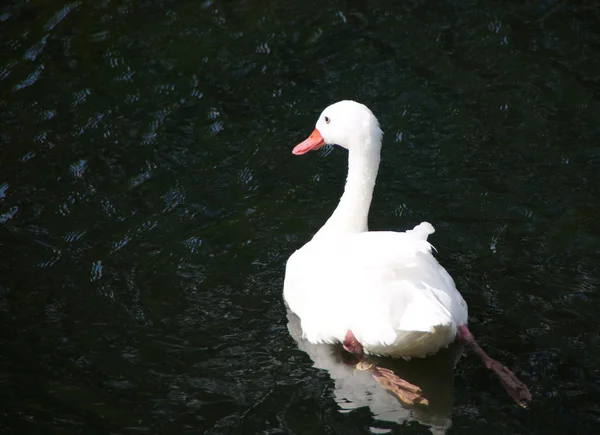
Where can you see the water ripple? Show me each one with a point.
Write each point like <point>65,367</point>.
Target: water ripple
<point>60,15</point>
<point>3,189</point>
<point>78,168</point>
<point>101,36</point>
<point>36,49</point>
<point>126,76</point>
<point>193,244</point>
<point>81,96</point>
<point>96,272</point>
<point>74,236</point>
<point>215,128</point>
<point>173,198</point>
<point>143,176</point>
<point>6,70</point>
<point>31,79</point>
<point>4,217</point>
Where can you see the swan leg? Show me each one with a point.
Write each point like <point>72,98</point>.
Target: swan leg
<point>513,386</point>
<point>352,345</point>
<point>407,393</point>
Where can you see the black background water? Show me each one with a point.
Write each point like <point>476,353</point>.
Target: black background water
<point>149,201</point>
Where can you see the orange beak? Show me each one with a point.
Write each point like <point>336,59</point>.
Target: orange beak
<point>314,142</point>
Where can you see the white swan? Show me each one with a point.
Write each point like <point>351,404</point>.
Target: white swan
<point>380,293</point>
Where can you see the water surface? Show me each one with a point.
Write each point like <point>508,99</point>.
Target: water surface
<point>149,201</point>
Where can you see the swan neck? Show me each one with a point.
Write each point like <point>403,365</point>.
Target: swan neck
<point>352,212</point>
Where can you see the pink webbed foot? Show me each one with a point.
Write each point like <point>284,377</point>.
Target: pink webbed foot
<point>513,386</point>
<point>405,391</point>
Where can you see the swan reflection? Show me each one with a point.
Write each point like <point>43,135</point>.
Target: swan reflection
<point>357,387</point>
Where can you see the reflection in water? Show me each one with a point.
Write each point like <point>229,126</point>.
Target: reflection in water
<point>356,388</point>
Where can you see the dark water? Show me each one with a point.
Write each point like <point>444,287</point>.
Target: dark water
<point>149,201</point>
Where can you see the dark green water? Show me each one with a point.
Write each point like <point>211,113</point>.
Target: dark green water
<point>149,201</point>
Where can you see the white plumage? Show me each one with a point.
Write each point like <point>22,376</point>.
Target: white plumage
<point>385,287</point>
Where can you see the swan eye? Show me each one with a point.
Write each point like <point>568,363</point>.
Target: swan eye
<point>327,119</point>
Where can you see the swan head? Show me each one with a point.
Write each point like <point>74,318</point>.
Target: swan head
<point>348,124</point>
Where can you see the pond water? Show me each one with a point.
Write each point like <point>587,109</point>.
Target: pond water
<point>149,201</point>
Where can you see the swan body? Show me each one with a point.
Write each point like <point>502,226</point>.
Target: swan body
<point>386,287</point>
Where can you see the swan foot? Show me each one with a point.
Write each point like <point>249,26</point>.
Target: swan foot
<point>405,391</point>
<point>364,365</point>
<point>513,386</point>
